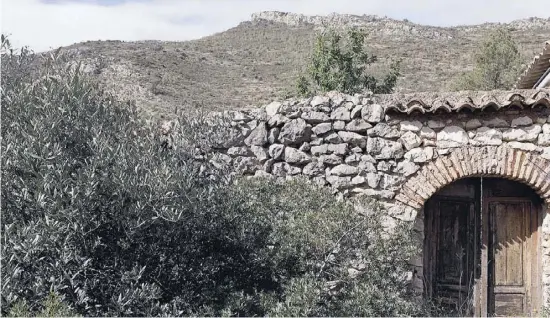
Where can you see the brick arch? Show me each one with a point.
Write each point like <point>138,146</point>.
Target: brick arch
<point>491,161</point>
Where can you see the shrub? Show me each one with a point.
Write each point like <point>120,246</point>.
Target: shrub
<point>339,64</point>
<point>95,210</point>
<point>497,64</point>
<point>332,260</point>
<point>99,211</point>
<point>52,307</point>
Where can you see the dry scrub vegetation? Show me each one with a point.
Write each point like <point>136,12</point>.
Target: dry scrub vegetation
<point>259,61</point>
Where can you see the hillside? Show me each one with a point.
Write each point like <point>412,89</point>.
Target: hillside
<point>258,60</point>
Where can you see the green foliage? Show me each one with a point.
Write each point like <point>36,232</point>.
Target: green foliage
<point>340,64</point>
<point>98,209</point>
<point>52,306</point>
<point>318,241</point>
<point>497,64</point>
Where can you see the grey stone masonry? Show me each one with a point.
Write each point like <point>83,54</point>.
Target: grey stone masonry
<point>398,149</point>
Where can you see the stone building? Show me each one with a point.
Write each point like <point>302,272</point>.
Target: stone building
<point>470,170</point>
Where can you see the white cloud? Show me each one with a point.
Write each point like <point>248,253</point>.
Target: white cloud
<point>44,25</point>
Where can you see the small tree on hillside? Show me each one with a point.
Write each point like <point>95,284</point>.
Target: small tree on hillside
<point>340,64</point>
<point>497,64</point>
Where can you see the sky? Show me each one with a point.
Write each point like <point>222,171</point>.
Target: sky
<point>47,24</point>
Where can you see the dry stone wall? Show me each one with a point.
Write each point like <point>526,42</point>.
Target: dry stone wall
<point>351,144</point>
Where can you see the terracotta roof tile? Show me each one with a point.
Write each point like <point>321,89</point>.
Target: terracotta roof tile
<point>536,69</point>
<point>436,102</point>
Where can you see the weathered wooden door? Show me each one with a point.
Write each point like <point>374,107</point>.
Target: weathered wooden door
<point>511,257</point>
<point>481,249</point>
<point>452,257</point>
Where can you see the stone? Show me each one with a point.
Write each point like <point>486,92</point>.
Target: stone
<point>358,180</point>
<point>354,139</point>
<point>315,168</point>
<point>365,167</point>
<point>276,151</point>
<point>245,165</point>
<point>420,155</point>
<point>473,124</point>
<point>353,158</point>
<point>312,117</point>
<point>373,179</point>
<point>316,141</point>
<point>385,165</point>
<point>273,108</point>
<point>333,138</point>
<point>496,123</point>
<point>339,149</point>
<point>268,165</point>
<point>258,136</point>
<point>238,151</point>
<point>322,129</point>
<point>340,113</point>
<point>305,147</point>
<point>410,140</point>
<point>486,136</point>
<point>381,148</point>
<point>513,134</point>
<point>522,121</point>
<point>293,155</point>
<point>410,125</point>
<point>344,170</point>
<point>358,125</point>
<point>427,133</point>
<point>339,182</point>
<point>384,130</point>
<point>356,150</point>
<point>452,137</point>
<point>368,158</point>
<point>356,111</point>
<point>280,169</point>
<point>262,174</point>
<point>522,134</point>
<point>377,194</point>
<point>332,159</point>
<point>294,115</point>
<point>277,120</point>
<point>523,146</point>
<point>373,113</point>
<point>339,125</point>
<point>273,135</point>
<point>295,131</point>
<point>320,101</point>
<point>545,153</point>
<point>260,153</point>
<point>544,138</point>
<point>407,168</point>
<point>319,150</point>
<point>388,181</point>
<point>436,124</point>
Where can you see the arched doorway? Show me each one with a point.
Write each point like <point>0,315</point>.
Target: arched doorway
<point>481,247</point>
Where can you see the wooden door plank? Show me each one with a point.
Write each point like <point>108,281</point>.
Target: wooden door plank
<point>483,303</point>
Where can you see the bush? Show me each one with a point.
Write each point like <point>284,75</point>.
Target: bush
<point>332,260</point>
<point>98,210</point>
<point>497,64</point>
<point>52,307</point>
<point>339,64</point>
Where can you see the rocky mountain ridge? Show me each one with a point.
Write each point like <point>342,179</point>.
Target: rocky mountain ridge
<point>258,61</point>
<point>389,26</point>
